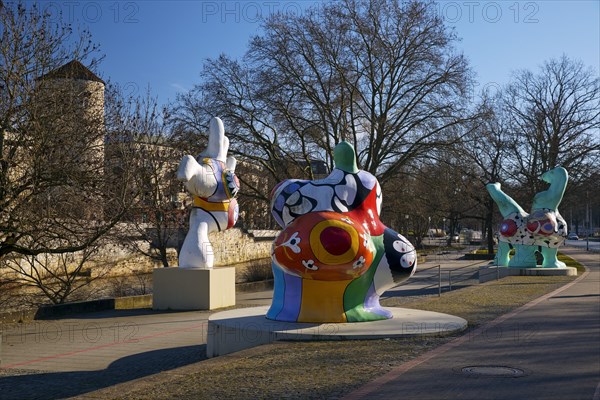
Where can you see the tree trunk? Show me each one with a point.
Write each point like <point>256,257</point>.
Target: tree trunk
<point>163,256</point>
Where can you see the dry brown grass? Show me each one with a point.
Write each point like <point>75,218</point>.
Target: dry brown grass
<point>482,303</point>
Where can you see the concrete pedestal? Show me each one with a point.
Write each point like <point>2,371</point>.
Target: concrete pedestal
<point>488,273</point>
<point>193,289</point>
<point>243,328</point>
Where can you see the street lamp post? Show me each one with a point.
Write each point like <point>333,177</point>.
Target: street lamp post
<point>429,229</point>
<point>588,220</point>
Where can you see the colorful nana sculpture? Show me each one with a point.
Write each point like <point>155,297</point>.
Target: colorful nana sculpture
<point>334,257</point>
<point>213,184</point>
<point>544,229</point>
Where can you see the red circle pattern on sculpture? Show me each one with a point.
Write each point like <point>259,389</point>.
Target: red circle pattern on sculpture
<point>542,223</point>
<point>335,240</point>
<point>508,228</point>
<point>324,246</point>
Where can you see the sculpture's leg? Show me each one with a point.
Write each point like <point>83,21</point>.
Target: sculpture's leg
<point>323,301</point>
<point>551,259</point>
<point>287,296</point>
<point>503,255</point>
<point>524,257</point>
<point>505,203</point>
<point>197,251</point>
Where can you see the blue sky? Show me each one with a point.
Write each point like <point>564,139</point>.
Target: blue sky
<point>164,43</point>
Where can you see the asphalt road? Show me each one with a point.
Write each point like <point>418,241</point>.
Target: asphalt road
<point>584,244</point>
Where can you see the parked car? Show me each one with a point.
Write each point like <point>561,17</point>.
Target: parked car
<point>472,237</point>
<point>573,236</point>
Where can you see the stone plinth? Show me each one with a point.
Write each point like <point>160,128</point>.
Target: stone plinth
<point>488,273</point>
<point>193,289</point>
<point>239,329</point>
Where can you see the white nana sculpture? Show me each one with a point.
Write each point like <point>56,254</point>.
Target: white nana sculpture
<point>211,180</point>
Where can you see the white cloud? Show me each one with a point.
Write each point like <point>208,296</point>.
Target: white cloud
<point>178,87</point>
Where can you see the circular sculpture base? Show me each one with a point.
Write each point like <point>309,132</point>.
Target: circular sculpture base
<point>491,272</point>
<point>243,328</point>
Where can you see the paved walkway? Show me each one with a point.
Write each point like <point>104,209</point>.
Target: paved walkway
<point>555,341</point>
<point>54,359</point>
<point>68,357</point>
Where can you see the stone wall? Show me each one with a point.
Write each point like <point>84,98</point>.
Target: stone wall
<point>234,246</point>
<point>131,265</point>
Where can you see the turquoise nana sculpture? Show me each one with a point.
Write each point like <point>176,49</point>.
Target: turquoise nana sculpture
<point>543,230</point>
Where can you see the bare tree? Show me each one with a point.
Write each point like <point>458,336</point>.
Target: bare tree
<point>54,197</point>
<point>432,194</point>
<point>8,284</point>
<point>483,157</point>
<point>382,75</point>
<point>57,277</point>
<point>141,146</point>
<point>448,186</point>
<point>555,120</point>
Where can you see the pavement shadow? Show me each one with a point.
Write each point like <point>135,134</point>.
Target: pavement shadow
<point>398,292</point>
<point>59,385</point>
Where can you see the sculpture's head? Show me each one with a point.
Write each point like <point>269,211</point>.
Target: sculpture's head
<point>558,174</point>
<point>211,175</point>
<point>333,238</point>
<point>552,196</point>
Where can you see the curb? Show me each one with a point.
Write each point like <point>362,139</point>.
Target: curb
<point>59,310</point>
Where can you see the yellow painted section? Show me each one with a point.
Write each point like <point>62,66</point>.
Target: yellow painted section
<point>322,301</point>
<point>210,206</point>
